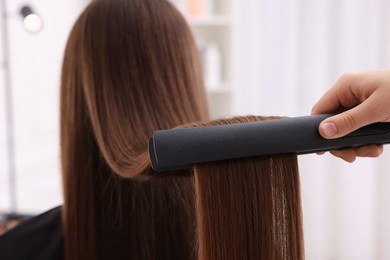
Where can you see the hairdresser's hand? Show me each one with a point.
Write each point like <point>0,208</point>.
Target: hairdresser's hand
<point>363,98</point>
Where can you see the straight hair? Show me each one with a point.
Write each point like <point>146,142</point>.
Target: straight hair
<point>130,68</point>
<point>249,208</point>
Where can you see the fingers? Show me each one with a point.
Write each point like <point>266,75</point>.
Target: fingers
<point>350,120</point>
<point>361,99</point>
<point>345,94</point>
<point>350,154</point>
<point>369,151</point>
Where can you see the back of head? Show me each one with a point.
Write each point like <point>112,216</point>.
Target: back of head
<point>130,67</point>
<point>135,64</point>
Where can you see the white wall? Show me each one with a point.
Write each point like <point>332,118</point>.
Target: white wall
<point>287,54</point>
<point>3,155</point>
<point>35,62</point>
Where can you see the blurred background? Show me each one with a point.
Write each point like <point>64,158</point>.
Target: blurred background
<point>263,57</point>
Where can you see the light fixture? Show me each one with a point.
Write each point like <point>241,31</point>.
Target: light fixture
<point>32,22</point>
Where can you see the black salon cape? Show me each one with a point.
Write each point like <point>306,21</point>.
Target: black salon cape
<point>39,238</point>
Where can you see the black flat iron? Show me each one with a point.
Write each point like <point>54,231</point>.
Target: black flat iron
<point>182,148</point>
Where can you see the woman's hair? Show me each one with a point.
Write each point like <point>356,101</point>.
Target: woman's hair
<point>249,208</point>
<point>130,68</point>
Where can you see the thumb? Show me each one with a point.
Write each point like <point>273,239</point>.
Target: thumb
<point>346,122</point>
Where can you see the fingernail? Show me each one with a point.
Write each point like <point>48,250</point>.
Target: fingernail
<point>380,149</point>
<point>329,129</point>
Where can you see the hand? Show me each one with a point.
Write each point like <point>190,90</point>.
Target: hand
<point>363,98</point>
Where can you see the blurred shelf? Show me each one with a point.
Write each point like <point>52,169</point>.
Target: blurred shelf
<point>212,24</point>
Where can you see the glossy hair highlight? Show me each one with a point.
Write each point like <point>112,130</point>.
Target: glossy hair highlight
<point>249,208</point>
<point>130,67</point>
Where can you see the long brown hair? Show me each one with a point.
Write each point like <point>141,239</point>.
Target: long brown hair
<point>249,208</point>
<point>130,67</point>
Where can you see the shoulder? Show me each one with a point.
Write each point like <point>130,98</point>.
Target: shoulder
<point>39,237</point>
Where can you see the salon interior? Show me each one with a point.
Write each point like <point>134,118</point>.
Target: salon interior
<point>259,57</point>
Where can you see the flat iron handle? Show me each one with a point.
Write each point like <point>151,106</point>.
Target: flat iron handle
<point>182,148</point>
